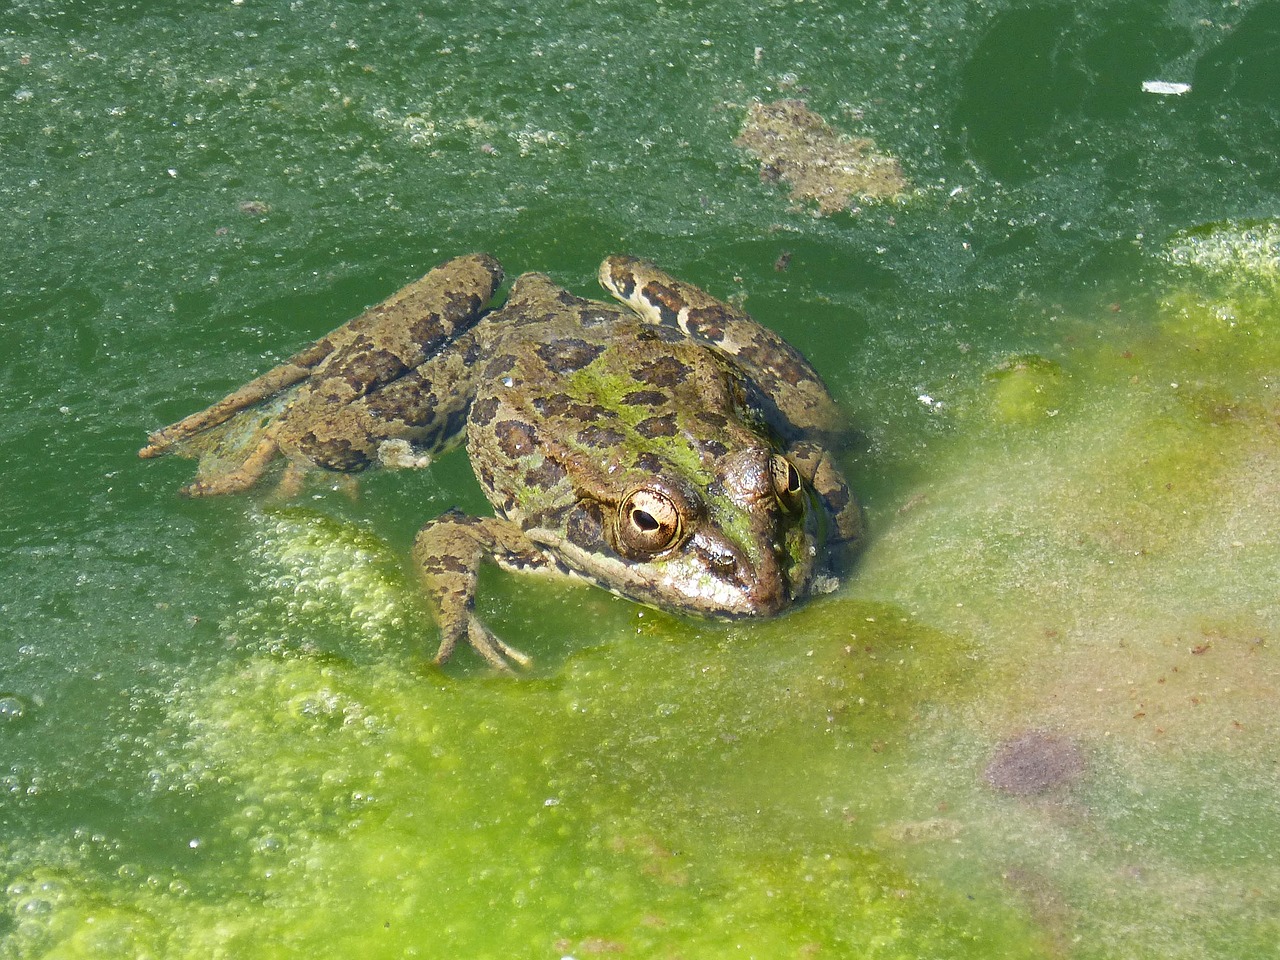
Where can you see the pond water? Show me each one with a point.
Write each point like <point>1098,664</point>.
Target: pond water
<point>1037,721</point>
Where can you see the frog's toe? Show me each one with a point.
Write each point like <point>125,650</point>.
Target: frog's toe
<point>215,486</point>
<point>497,653</point>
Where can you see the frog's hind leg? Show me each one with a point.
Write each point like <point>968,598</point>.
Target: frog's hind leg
<point>366,352</point>
<point>254,392</point>
<point>239,479</point>
<point>784,376</point>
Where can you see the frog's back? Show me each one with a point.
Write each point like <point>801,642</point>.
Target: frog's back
<point>654,379</point>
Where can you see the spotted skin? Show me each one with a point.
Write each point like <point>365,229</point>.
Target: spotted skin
<point>669,449</point>
<point>785,386</point>
<point>368,381</point>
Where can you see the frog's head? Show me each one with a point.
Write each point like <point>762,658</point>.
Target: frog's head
<point>742,544</point>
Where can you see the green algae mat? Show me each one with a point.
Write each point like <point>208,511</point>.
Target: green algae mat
<point>1038,720</point>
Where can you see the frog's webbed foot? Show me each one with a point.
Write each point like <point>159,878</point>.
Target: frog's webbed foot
<point>496,651</point>
<point>296,475</point>
<point>171,438</point>
<point>448,552</point>
<point>779,369</point>
<point>212,481</point>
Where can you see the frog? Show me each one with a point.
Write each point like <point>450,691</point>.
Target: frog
<point>664,446</point>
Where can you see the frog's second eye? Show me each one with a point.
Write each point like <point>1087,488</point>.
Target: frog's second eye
<point>786,481</point>
<point>648,523</point>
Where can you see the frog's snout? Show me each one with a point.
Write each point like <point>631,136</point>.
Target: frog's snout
<point>740,585</point>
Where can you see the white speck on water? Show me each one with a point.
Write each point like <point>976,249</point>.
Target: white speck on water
<point>1165,87</point>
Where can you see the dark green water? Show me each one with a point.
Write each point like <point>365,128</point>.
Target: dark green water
<point>1039,721</point>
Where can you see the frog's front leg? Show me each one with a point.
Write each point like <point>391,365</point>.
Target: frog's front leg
<point>448,552</point>
<point>785,378</point>
<point>819,469</point>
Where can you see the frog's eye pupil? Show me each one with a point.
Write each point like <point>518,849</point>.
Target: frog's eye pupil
<point>786,478</point>
<point>644,521</point>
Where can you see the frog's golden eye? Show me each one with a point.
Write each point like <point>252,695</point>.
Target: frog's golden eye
<point>648,523</point>
<point>786,480</point>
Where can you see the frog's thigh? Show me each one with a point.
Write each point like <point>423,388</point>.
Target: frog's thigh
<point>828,482</point>
<point>781,371</point>
<point>397,334</point>
<point>346,436</point>
<point>407,329</point>
<point>447,553</point>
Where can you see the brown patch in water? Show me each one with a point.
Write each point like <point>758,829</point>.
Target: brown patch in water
<point>1034,763</point>
<point>796,145</point>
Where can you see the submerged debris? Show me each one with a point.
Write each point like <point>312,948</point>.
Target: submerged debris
<point>1034,763</point>
<point>1025,388</point>
<point>796,145</point>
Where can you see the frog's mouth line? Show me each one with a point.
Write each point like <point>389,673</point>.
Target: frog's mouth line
<point>681,583</point>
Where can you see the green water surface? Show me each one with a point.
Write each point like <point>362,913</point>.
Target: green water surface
<point>1038,721</point>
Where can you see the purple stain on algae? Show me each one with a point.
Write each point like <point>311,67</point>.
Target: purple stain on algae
<point>1034,763</point>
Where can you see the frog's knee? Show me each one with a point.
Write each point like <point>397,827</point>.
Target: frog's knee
<point>618,275</point>
<point>334,453</point>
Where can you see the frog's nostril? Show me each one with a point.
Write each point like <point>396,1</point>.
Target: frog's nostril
<point>724,562</point>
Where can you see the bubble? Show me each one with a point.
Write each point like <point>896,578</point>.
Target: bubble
<point>268,844</point>
<point>30,930</point>
<point>12,708</point>
<point>36,906</point>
